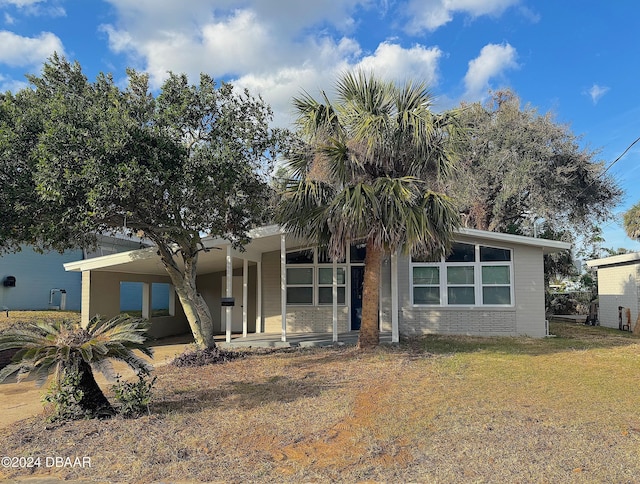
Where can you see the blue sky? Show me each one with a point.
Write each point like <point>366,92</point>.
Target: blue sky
<point>575,58</point>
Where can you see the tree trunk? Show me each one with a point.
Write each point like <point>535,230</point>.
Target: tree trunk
<point>369,332</point>
<point>93,400</point>
<point>194,306</point>
<point>197,313</point>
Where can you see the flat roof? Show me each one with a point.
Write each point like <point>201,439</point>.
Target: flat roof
<point>615,259</point>
<point>263,239</point>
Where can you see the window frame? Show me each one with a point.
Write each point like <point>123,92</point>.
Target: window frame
<point>315,285</point>
<point>478,282</point>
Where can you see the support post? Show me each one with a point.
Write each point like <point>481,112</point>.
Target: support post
<point>146,301</point>
<point>283,285</point>
<point>395,333</point>
<point>259,296</point>
<point>229,293</point>
<point>334,293</point>
<point>245,295</point>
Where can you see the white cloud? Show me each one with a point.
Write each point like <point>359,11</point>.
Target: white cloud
<point>36,7</point>
<point>276,48</point>
<point>596,92</point>
<point>399,64</point>
<point>20,3</point>
<point>18,51</point>
<point>431,14</point>
<point>8,19</point>
<point>493,60</point>
<point>8,84</point>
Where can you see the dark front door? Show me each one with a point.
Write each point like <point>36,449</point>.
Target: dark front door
<point>357,278</point>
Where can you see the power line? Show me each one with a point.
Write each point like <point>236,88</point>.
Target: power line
<point>618,158</point>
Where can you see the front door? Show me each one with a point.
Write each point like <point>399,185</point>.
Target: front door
<point>357,279</point>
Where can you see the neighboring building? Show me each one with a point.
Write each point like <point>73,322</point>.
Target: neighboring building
<point>40,279</point>
<point>618,278</point>
<point>492,284</point>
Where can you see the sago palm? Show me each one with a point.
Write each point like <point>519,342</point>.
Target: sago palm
<point>368,168</point>
<point>62,346</point>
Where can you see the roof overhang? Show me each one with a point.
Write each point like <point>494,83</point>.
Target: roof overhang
<point>615,260</point>
<point>548,246</point>
<point>263,239</point>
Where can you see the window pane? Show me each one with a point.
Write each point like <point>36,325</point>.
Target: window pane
<point>301,275</point>
<point>495,275</point>
<point>462,253</point>
<point>323,257</point>
<point>325,275</point>
<point>358,252</point>
<point>426,275</point>
<point>299,295</point>
<point>426,295</point>
<point>425,258</point>
<point>460,275</point>
<point>496,295</point>
<point>300,257</point>
<point>491,254</point>
<point>461,295</point>
<point>325,293</point>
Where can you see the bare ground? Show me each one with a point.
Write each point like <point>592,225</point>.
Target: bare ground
<point>436,410</point>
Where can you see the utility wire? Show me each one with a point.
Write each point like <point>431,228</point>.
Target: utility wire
<point>618,158</point>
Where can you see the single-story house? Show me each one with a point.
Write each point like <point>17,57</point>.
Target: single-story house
<point>30,280</point>
<point>491,284</point>
<point>618,279</point>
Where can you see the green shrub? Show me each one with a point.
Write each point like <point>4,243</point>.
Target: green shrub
<point>65,395</point>
<point>133,398</point>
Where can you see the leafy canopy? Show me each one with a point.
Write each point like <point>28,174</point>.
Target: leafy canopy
<point>79,158</point>
<point>520,166</point>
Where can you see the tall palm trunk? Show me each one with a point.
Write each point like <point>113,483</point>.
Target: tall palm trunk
<point>369,331</point>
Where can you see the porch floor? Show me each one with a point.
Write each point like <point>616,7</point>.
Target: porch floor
<point>273,340</point>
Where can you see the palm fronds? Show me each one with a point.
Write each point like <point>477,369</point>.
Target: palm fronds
<point>44,348</point>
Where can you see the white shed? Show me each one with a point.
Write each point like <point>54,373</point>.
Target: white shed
<point>618,279</point>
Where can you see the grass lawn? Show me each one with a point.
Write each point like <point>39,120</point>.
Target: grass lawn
<point>437,409</point>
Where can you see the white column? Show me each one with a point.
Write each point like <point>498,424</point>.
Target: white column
<point>85,305</point>
<point>229,293</point>
<point>334,293</point>
<point>146,300</point>
<point>283,285</point>
<point>172,300</point>
<point>259,296</point>
<point>245,295</point>
<point>395,334</point>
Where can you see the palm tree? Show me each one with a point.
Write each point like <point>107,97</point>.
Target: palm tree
<point>631,220</point>
<point>63,347</point>
<point>368,168</point>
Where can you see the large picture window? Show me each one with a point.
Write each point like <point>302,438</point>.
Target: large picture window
<point>471,275</point>
<point>310,278</point>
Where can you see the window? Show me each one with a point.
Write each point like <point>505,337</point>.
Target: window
<point>471,275</point>
<point>426,285</point>
<point>325,285</point>
<point>300,285</point>
<point>460,285</point>
<point>310,278</point>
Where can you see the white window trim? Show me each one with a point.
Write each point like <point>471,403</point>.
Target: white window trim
<point>315,266</point>
<point>477,279</point>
